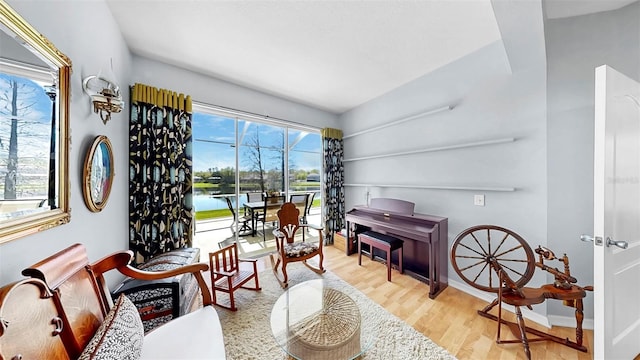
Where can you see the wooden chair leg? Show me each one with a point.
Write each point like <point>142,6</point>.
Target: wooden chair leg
<point>232,301</point>
<point>286,276</point>
<point>274,267</point>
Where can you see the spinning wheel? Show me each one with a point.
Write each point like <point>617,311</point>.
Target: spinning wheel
<point>479,252</point>
<point>495,259</point>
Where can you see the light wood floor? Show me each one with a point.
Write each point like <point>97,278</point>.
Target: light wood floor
<point>451,319</point>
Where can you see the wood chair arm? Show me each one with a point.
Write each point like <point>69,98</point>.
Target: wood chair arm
<point>121,262</point>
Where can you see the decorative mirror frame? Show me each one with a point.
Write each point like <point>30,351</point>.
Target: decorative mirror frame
<point>25,225</point>
<point>98,174</point>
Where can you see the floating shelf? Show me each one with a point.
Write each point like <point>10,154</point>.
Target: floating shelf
<point>438,187</point>
<point>439,148</point>
<point>399,121</point>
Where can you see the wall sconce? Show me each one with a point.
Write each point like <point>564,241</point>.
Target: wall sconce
<point>105,96</point>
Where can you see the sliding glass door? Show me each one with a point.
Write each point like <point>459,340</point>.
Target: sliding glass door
<point>236,161</point>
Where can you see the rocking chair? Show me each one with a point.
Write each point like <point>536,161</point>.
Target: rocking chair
<point>287,249</point>
<point>226,275</point>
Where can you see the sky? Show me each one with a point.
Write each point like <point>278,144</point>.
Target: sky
<point>214,137</point>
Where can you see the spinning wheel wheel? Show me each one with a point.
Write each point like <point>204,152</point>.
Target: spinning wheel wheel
<point>480,251</point>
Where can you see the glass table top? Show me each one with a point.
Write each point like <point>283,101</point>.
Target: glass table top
<point>313,321</point>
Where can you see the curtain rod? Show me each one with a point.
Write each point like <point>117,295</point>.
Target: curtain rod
<point>247,114</point>
<point>425,113</point>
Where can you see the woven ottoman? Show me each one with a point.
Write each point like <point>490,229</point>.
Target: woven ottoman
<point>333,333</point>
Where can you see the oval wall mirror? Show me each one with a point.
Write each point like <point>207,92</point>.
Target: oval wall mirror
<point>34,136</point>
<point>98,174</point>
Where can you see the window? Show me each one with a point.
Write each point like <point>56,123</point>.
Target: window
<point>235,156</point>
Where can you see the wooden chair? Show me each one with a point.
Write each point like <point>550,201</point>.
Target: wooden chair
<point>287,249</point>
<point>226,275</point>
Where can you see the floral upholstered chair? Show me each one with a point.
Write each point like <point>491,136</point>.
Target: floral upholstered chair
<point>288,249</point>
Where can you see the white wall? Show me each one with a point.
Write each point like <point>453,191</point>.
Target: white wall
<point>88,35</point>
<point>218,92</point>
<point>490,103</point>
<point>498,92</point>
<point>575,47</point>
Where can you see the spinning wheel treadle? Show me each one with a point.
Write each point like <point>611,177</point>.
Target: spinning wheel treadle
<point>480,251</point>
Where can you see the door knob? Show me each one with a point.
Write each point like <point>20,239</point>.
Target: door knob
<point>621,244</point>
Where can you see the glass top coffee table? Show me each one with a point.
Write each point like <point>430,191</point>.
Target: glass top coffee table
<point>313,321</point>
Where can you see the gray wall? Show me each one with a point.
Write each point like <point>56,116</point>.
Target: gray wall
<point>575,47</point>
<point>88,35</point>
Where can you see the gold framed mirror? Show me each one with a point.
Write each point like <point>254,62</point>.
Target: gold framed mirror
<point>98,173</point>
<point>34,130</point>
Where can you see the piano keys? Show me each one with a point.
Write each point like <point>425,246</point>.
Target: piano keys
<point>425,238</point>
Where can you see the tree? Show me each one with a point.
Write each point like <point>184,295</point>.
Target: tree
<point>18,100</point>
<point>253,157</point>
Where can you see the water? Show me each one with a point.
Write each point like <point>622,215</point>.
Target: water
<point>209,202</point>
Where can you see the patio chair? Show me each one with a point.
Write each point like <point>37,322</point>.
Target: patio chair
<point>226,275</point>
<point>310,202</point>
<point>269,213</point>
<point>302,202</point>
<point>287,249</point>
<point>255,196</point>
<point>242,221</point>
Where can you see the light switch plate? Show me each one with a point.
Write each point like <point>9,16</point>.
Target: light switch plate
<point>478,200</point>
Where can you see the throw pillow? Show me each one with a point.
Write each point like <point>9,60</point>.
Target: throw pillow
<point>120,335</point>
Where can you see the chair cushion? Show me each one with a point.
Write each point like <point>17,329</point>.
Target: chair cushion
<point>298,249</point>
<point>120,336</point>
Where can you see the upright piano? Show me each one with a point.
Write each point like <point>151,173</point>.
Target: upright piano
<point>425,238</point>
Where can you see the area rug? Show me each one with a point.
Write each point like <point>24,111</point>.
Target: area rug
<point>247,332</point>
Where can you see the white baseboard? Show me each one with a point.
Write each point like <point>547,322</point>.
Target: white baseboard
<point>546,321</point>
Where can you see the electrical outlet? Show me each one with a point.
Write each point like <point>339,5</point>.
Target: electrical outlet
<point>478,200</point>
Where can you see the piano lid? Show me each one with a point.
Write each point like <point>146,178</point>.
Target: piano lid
<point>389,205</point>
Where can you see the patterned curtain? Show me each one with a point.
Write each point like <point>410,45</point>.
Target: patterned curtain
<point>160,166</point>
<point>333,185</point>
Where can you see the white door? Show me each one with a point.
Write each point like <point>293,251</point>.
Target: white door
<point>616,216</point>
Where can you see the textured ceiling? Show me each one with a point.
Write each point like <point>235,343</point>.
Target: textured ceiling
<point>332,55</point>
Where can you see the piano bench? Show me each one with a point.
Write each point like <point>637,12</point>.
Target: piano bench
<point>383,242</point>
